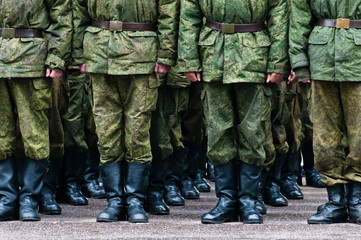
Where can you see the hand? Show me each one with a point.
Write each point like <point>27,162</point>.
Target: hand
<point>276,78</point>
<point>292,78</point>
<point>161,68</point>
<point>83,69</point>
<point>53,73</point>
<point>193,76</point>
<point>306,81</point>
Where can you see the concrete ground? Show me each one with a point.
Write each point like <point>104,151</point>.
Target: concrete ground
<point>184,223</point>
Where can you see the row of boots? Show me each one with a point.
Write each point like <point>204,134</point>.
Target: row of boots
<point>21,183</point>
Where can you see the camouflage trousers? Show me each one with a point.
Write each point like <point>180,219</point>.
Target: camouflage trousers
<point>26,100</point>
<point>236,116</point>
<point>304,99</point>
<point>78,122</point>
<point>122,107</point>
<point>166,131</point>
<point>335,113</point>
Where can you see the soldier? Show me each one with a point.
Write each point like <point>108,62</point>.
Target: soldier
<point>27,60</point>
<point>121,55</point>
<point>324,47</point>
<point>238,53</point>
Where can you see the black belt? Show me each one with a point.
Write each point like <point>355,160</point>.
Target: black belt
<point>123,26</point>
<point>235,28</point>
<point>20,33</point>
<point>339,23</point>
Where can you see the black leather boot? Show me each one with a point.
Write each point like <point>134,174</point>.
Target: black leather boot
<point>33,175</point>
<point>249,176</point>
<point>354,201</point>
<point>313,178</point>
<point>9,190</point>
<point>91,187</point>
<point>271,192</point>
<point>210,171</point>
<point>136,188</point>
<point>260,205</point>
<point>173,176</point>
<point>190,167</point>
<point>200,182</point>
<point>73,170</point>
<point>289,187</point>
<point>47,203</point>
<point>226,191</point>
<point>335,210</point>
<point>155,204</point>
<point>113,180</point>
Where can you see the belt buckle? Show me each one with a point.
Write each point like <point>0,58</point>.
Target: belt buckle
<point>8,32</point>
<point>343,23</point>
<point>116,26</point>
<point>227,28</point>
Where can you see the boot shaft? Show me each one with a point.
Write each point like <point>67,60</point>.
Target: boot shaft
<point>113,175</point>
<point>136,183</point>
<point>226,180</point>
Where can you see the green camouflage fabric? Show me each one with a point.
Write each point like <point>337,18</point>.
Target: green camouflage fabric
<point>122,107</point>
<point>124,52</point>
<point>28,100</point>
<point>238,57</point>
<point>78,122</point>
<point>236,116</point>
<point>326,53</point>
<point>304,99</point>
<point>27,57</point>
<point>166,131</point>
<point>336,115</point>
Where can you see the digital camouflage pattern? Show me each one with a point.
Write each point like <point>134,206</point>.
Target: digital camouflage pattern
<point>166,132</point>
<point>29,100</point>
<point>27,57</point>
<point>238,57</point>
<point>336,115</point>
<point>236,116</point>
<point>78,120</point>
<point>122,107</point>
<point>329,54</point>
<point>124,52</point>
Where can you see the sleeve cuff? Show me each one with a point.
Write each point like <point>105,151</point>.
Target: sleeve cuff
<point>299,61</point>
<point>189,66</point>
<point>302,73</point>
<point>278,68</point>
<point>54,62</point>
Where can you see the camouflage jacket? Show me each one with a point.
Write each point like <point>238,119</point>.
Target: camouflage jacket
<point>27,57</point>
<point>237,57</point>
<point>124,52</point>
<point>326,53</point>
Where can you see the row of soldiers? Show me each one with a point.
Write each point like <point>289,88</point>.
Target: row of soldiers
<point>146,62</point>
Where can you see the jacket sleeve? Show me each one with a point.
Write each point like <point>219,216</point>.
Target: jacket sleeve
<point>168,21</point>
<point>301,25</point>
<point>277,23</point>
<point>81,20</point>
<point>59,45</point>
<point>191,20</point>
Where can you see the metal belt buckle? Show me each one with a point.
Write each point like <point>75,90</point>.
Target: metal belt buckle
<point>115,26</point>
<point>343,23</point>
<point>8,32</point>
<point>227,28</point>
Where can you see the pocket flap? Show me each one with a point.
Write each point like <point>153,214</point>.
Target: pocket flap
<point>256,40</point>
<point>207,37</point>
<point>93,29</point>
<point>357,37</point>
<point>320,35</point>
<point>142,34</point>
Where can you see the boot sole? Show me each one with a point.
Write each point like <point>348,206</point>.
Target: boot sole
<point>160,213</point>
<point>29,219</point>
<point>219,222</point>
<point>10,218</point>
<point>50,212</point>
<point>138,221</point>
<point>330,222</point>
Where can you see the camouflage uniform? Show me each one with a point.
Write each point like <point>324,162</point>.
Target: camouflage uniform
<point>341,72</point>
<point>124,89</point>
<point>26,95</point>
<point>236,100</point>
<point>329,54</point>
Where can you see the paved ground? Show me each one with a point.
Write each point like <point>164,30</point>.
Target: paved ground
<point>184,223</point>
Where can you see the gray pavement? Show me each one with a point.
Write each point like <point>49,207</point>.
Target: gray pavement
<point>184,223</point>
